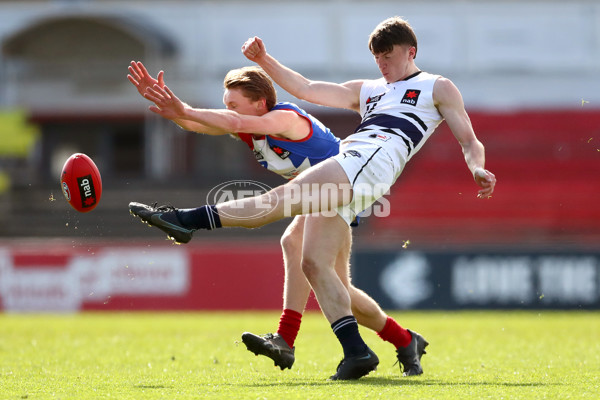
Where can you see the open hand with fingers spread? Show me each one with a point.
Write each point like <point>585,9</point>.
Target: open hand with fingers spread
<point>141,79</point>
<point>167,105</point>
<point>486,180</point>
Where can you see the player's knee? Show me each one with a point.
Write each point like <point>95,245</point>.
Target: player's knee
<point>291,241</point>
<point>310,267</point>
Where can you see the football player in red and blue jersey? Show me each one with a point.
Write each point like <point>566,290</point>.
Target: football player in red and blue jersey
<point>286,140</point>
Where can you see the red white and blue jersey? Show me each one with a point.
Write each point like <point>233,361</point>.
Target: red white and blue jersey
<point>289,158</point>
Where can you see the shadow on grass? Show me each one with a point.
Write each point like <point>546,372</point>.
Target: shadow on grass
<point>376,381</point>
<point>434,382</point>
<point>153,387</point>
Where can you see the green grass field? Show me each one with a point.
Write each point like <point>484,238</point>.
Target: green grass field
<point>471,355</point>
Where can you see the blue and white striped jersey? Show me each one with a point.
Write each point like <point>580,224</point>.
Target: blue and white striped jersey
<point>399,116</point>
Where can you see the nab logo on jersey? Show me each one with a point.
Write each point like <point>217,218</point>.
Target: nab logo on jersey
<point>410,97</point>
<point>282,153</point>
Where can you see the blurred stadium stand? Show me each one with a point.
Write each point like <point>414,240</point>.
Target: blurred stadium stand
<point>527,71</point>
<point>547,163</point>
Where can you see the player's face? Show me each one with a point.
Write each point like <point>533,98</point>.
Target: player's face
<point>394,65</point>
<point>235,100</point>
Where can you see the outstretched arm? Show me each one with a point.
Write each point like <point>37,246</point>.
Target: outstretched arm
<point>283,123</point>
<point>450,104</point>
<point>142,80</point>
<point>345,95</point>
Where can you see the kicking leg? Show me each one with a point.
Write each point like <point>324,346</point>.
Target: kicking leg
<point>323,187</point>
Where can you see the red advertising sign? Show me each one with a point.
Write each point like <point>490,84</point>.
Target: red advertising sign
<point>215,276</point>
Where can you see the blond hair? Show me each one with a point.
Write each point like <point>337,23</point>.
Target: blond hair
<point>254,83</point>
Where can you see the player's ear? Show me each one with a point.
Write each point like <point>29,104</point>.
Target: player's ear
<point>261,103</point>
<point>412,52</point>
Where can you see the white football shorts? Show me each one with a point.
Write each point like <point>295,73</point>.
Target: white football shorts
<point>371,172</point>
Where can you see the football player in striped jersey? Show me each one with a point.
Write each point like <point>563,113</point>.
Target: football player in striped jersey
<point>287,144</point>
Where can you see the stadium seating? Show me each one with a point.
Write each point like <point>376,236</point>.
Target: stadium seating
<point>548,168</point>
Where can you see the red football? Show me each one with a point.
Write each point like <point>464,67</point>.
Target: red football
<point>81,182</point>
